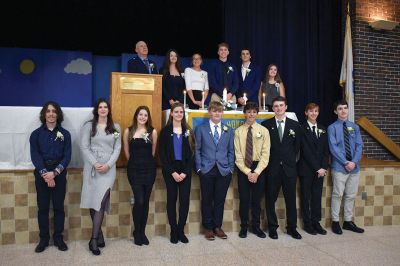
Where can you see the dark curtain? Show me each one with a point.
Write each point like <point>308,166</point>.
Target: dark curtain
<point>304,38</point>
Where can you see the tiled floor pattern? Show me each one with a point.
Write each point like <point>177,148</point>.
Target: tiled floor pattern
<point>379,245</point>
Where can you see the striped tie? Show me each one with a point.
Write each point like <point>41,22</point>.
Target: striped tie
<point>216,135</point>
<point>346,142</point>
<point>249,148</point>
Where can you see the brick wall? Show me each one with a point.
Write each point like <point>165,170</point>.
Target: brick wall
<point>377,71</point>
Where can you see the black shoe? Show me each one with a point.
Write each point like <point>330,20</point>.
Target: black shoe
<point>182,237</point>
<point>318,228</point>
<point>145,240</point>
<point>93,246</point>
<point>336,228</point>
<point>258,232</point>
<point>309,229</point>
<point>174,237</point>
<point>293,232</point>
<point>137,239</point>
<point>352,227</point>
<point>43,244</point>
<point>60,244</point>
<point>100,241</point>
<point>243,233</point>
<point>272,233</point>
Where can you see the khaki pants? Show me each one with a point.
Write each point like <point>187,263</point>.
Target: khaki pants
<point>345,185</point>
<point>216,98</point>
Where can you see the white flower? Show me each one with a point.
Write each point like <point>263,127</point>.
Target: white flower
<point>248,71</point>
<point>225,128</point>
<point>258,135</point>
<point>277,84</point>
<point>292,133</point>
<point>203,75</point>
<point>151,66</point>
<point>230,69</point>
<point>321,131</point>
<point>187,133</point>
<point>350,130</point>
<point>182,75</point>
<point>145,136</point>
<point>116,134</point>
<point>60,136</point>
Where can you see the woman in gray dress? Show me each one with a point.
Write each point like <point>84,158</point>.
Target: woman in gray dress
<point>100,145</point>
<point>271,87</point>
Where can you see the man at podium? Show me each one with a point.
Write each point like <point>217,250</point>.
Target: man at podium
<point>141,64</point>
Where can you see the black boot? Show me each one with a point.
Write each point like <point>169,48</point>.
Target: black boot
<point>182,237</point>
<point>93,246</point>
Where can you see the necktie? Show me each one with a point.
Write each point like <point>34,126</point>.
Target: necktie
<point>216,135</point>
<point>280,131</point>
<point>315,133</point>
<point>146,62</point>
<point>346,142</point>
<point>248,159</point>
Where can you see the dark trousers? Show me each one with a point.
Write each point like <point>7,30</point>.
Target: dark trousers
<point>140,209</point>
<point>288,184</point>
<point>311,195</point>
<point>173,188</point>
<point>198,96</point>
<point>250,193</point>
<point>56,195</point>
<point>214,187</point>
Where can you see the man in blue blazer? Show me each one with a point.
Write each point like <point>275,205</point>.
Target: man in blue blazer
<point>223,74</point>
<point>215,163</point>
<point>249,79</point>
<point>140,63</point>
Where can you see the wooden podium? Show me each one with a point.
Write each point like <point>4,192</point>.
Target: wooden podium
<point>130,90</point>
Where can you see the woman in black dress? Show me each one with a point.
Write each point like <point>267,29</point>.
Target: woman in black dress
<point>173,83</point>
<point>140,141</point>
<point>177,159</point>
<point>272,86</point>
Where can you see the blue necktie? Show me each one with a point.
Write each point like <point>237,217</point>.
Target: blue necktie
<point>146,62</point>
<point>216,135</point>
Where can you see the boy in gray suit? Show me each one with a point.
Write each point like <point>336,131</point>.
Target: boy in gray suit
<point>214,163</point>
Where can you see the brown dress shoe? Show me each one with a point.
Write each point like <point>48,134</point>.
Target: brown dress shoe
<point>209,235</point>
<point>221,234</point>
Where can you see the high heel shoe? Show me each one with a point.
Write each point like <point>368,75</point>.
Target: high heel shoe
<point>100,241</point>
<point>93,247</point>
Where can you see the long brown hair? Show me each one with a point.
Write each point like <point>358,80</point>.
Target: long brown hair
<point>134,126</point>
<point>184,124</point>
<point>167,62</point>
<point>110,128</point>
<point>277,77</point>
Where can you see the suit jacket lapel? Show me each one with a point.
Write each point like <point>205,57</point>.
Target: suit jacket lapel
<point>274,129</point>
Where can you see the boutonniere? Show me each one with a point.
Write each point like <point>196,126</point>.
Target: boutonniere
<point>145,136</point>
<point>203,75</point>
<point>182,75</point>
<point>292,133</point>
<point>230,69</point>
<point>321,131</point>
<point>258,135</point>
<point>247,71</point>
<point>350,130</point>
<point>277,84</point>
<point>187,133</point>
<point>225,128</point>
<point>151,66</point>
<point>116,134</point>
<point>60,136</point>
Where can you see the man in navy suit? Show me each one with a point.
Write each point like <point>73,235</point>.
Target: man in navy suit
<point>223,74</point>
<point>140,63</point>
<point>285,136</point>
<point>215,163</point>
<point>312,167</point>
<point>249,79</point>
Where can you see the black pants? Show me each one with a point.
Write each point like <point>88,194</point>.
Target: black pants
<point>288,184</point>
<point>311,195</point>
<point>214,187</point>
<point>57,196</point>
<point>173,189</point>
<point>250,193</point>
<point>197,95</point>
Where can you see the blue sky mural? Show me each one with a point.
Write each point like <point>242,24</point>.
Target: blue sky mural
<point>30,77</point>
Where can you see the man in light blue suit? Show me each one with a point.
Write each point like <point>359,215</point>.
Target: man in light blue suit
<point>215,162</point>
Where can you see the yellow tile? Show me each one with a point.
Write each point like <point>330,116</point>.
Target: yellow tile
<point>369,211</point>
<point>388,190</point>
<point>86,222</point>
<point>21,212</point>
<point>396,200</point>
<point>396,220</point>
<point>33,225</point>
<point>387,210</point>
<point>378,200</point>
<point>7,226</point>
<point>160,218</point>
<point>112,220</point>
<point>32,199</point>
<point>21,186</point>
<point>125,231</point>
<point>7,200</point>
<point>22,237</point>
<point>378,220</point>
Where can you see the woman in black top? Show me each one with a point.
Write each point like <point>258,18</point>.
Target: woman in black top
<point>177,159</point>
<point>272,86</point>
<point>173,83</point>
<point>140,142</point>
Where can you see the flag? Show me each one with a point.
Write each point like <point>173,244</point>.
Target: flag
<point>346,74</point>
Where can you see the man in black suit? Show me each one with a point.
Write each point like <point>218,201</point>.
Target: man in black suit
<point>285,136</point>
<point>312,167</point>
<point>140,63</point>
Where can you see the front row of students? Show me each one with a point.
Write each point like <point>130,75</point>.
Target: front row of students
<point>265,155</point>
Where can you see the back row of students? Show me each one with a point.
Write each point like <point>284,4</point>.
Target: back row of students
<point>265,155</point>
<point>243,84</point>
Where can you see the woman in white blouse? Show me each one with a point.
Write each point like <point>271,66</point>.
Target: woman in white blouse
<point>196,83</point>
